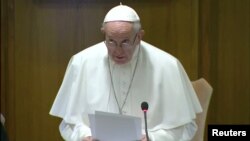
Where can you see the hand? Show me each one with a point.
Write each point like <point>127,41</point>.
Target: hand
<point>89,138</point>
<point>144,138</point>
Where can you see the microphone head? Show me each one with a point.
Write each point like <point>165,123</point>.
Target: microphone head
<point>144,106</point>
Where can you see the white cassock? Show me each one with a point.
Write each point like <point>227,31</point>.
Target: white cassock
<point>159,79</point>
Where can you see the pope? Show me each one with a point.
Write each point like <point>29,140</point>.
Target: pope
<point>116,75</point>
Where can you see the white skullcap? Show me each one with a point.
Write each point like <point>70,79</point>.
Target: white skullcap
<point>121,13</point>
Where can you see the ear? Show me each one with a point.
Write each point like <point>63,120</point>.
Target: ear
<point>141,34</point>
<point>103,30</point>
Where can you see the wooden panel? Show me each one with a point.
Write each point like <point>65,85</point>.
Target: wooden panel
<point>7,65</point>
<point>233,61</point>
<point>42,35</point>
<point>225,54</point>
<point>172,26</point>
<point>47,33</point>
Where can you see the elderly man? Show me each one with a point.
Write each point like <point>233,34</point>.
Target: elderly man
<point>117,75</point>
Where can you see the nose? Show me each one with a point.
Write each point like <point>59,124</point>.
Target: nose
<point>119,50</point>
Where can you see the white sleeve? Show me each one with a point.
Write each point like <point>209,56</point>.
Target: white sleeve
<point>71,132</point>
<point>182,133</point>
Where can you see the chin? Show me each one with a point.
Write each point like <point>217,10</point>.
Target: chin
<point>121,62</point>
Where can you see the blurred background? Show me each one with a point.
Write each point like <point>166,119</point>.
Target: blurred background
<point>210,37</point>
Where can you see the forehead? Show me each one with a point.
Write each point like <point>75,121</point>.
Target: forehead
<point>118,28</point>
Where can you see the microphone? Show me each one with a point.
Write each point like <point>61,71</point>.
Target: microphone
<point>144,107</point>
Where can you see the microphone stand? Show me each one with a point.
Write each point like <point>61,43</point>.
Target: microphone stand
<point>146,125</point>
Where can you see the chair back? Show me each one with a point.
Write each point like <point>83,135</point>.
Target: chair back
<point>204,92</point>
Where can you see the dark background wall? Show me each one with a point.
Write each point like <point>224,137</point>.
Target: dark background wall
<point>210,37</point>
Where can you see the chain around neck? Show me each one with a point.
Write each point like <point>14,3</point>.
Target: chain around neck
<point>130,84</point>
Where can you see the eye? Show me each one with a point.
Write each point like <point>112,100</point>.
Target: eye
<point>126,41</point>
<point>110,40</point>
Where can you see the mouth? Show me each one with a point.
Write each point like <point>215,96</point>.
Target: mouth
<point>120,59</point>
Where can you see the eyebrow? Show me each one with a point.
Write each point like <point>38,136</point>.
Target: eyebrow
<point>125,40</point>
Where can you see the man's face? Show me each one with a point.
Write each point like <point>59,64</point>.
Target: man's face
<point>121,40</point>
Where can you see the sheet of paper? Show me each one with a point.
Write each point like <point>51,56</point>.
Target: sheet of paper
<point>114,127</point>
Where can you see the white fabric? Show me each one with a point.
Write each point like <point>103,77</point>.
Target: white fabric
<point>159,79</point>
<point>71,132</point>
<point>121,13</point>
<point>182,133</point>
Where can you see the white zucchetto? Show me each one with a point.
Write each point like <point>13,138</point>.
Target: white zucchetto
<point>121,13</point>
